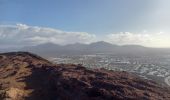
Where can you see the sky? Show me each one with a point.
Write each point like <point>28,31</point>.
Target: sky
<point>33,22</point>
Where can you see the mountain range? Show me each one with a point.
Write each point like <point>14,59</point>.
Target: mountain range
<point>101,47</point>
<point>50,49</point>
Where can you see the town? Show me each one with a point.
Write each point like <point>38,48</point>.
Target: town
<point>155,68</point>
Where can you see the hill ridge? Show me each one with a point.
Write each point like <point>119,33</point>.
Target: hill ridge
<point>23,76</point>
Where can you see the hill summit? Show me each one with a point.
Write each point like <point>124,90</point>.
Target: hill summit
<point>25,76</point>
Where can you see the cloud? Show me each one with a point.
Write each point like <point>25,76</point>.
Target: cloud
<point>24,35</point>
<point>145,38</point>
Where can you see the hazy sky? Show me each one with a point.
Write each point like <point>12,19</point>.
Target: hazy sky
<point>142,22</point>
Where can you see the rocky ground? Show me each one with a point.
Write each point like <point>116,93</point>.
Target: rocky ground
<point>25,76</point>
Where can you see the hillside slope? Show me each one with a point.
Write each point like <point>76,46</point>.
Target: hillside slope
<point>25,76</point>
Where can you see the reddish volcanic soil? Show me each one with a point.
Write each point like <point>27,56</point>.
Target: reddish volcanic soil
<point>25,76</point>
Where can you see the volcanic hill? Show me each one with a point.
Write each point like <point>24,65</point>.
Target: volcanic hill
<point>25,76</point>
